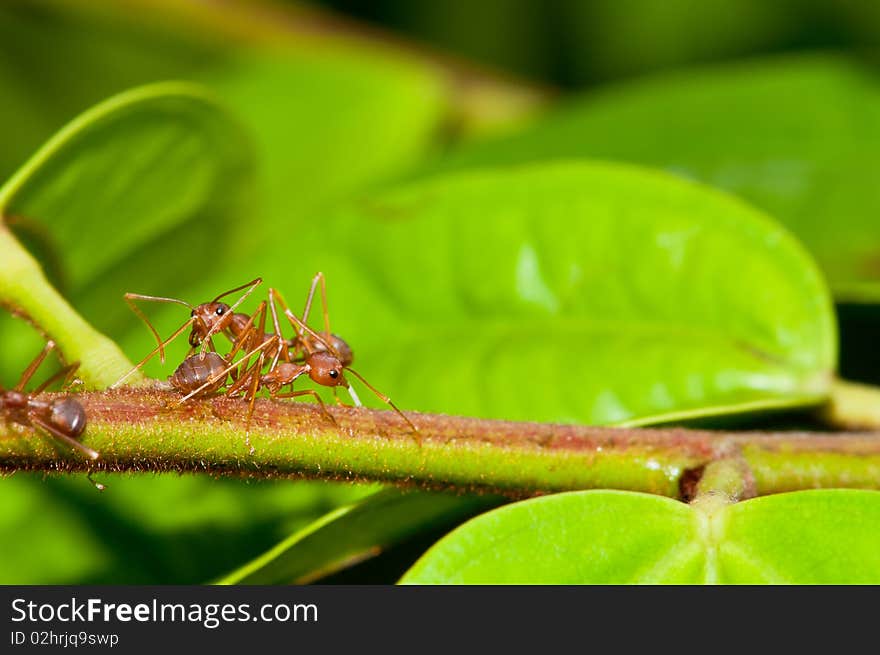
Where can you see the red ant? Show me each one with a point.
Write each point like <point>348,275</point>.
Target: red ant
<point>206,319</point>
<point>62,418</point>
<point>325,357</point>
<point>201,375</point>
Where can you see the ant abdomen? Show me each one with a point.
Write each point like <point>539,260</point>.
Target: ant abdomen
<point>68,416</point>
<point>63,418</point>
<point>198,369</point>
<point>339,347</point>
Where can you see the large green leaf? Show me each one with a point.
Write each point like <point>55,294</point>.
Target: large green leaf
<point>797,137</point>
<point>615,537</point>
<point>572,291</point>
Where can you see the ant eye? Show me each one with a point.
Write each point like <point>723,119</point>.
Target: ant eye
<point>334,374</point>
<point>192,313</point>
<point>219,311</point>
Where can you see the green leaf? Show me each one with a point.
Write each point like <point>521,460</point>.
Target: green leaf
<point>806,537</point>
<point>797,137</point>
<point>610,537</point>
<point>594,537</point>
<point>119,175</point>
<point>141,162</point>
<point>350,535</point>
<point>573,291</point>
<point>344,121</point>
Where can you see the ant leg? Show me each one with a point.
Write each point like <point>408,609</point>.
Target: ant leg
<point>303,328</point>
<point>250,336</point>
<point>131,297</point>
<point>252,400</point>
<point>250,286</point>
<point>98,485</point>
<point>158,348</point>
<point>283,351</point>
<point>252,374</point>
<point>298,343</point>
<point>385,399</point>
<point>65,373</point>
<point>313,394</point>
<point>319,277</point>
<point>336,397</point>
<point>34,365</point>
<point>70,441</point>
<point>351,392</point>
<point>244,379</point>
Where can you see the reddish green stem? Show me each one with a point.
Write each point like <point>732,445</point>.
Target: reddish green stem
<point>136,430</point>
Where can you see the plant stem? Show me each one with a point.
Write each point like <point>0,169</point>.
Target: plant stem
<point>138,430</point>
<point>25,292</point>
<point>729,479</point>
<point>852,406</point>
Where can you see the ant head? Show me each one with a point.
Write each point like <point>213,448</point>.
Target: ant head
<point>326,369</point>
<point>206,316</point>
<point>68,416</point>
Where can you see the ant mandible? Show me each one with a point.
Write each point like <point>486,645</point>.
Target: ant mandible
<point>62,418</point>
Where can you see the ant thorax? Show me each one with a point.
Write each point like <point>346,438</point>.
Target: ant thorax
<point>13,400</point>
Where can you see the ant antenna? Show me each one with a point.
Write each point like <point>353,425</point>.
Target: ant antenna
<point>381,396</point>
<point>250,286</point>
<point>253,283</point>
<point>131,297</point>
<point>385,399</point>
<point>158,348</point>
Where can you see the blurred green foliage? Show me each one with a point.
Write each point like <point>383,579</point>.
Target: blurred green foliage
<point>331,120</point>
<point>580,42</point>
<point>798,137</point>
